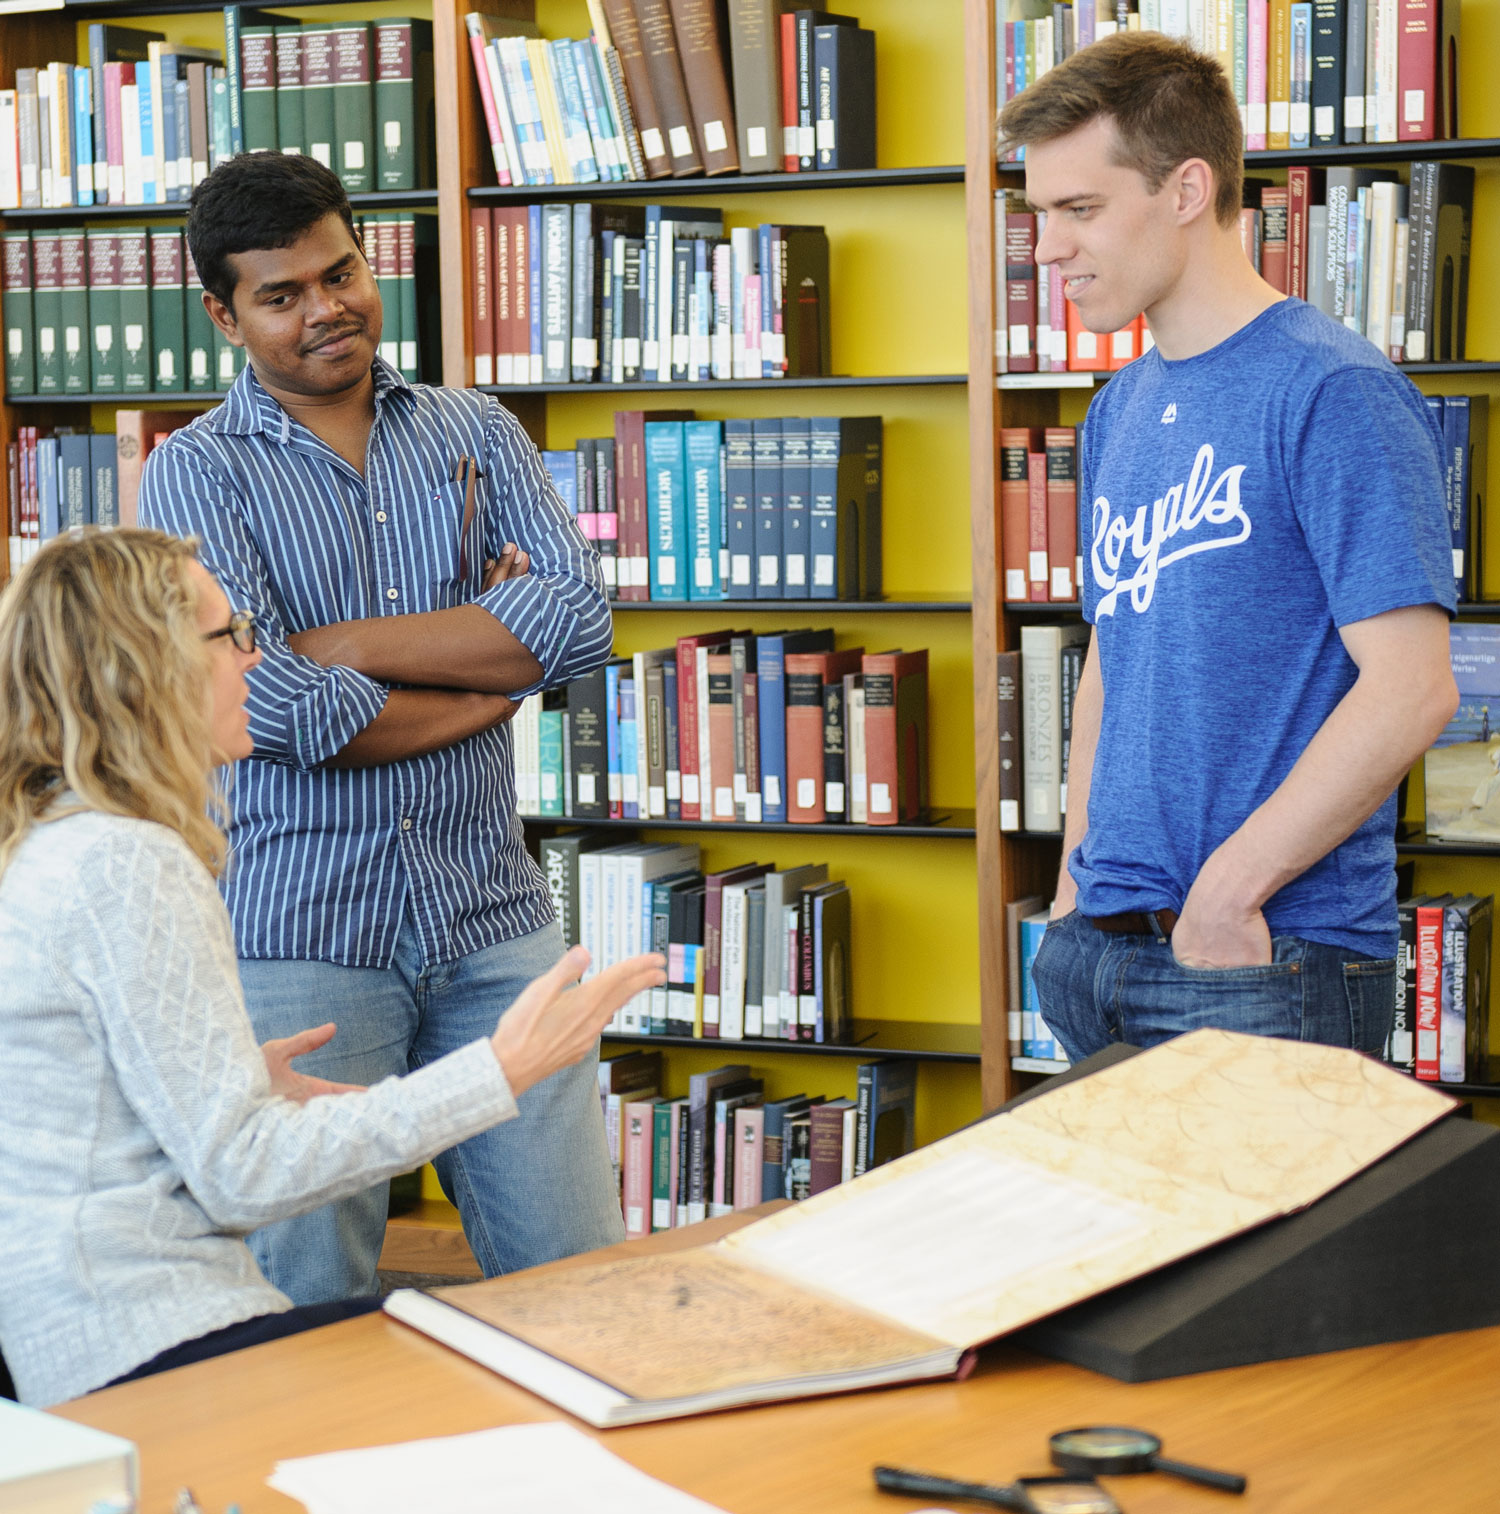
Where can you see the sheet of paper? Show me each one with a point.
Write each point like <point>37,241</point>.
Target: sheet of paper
<point>676,1323</point>
<point>521,1469</point>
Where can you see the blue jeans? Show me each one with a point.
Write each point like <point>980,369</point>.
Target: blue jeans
<point>533,1189</point>
<point>1094,988</point>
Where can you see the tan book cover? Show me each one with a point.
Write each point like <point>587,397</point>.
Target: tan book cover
<point>1100,1181</point>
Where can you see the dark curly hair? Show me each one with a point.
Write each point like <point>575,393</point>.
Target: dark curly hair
<point>258,200</point>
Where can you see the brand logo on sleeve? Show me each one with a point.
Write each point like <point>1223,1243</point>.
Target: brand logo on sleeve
<point>1169,414</point>
<point>1128,554</point>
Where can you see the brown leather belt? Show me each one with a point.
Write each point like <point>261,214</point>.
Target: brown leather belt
<point>1157,922</point>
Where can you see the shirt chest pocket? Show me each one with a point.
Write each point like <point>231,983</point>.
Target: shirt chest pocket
<point>449,543</point>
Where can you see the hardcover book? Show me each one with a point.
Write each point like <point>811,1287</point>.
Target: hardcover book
<point>1049,1203</point>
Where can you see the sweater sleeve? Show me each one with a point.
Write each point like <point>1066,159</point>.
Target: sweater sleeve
<point>150,949</point>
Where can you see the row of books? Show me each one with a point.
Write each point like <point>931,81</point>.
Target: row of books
<point>752,953</point>
<point>1037,329</point>
<point>1039,514</point>
<point>618,294</point>
<point>1388,259</point>
<point>1033,1047</point>
<point>144,121</point>
<point>725,1146</point>
<point>658,91</point>
<point>1036,687</point>
<point>733,728</point>
<point>1461,770</point>
<point>119,310</point>
<point>696,510</point>
<point>1305,73</point>
<point>71,477</point>
<point>1440,1030</point>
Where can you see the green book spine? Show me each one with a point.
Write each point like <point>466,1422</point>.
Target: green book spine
<point>16,287</point>
<point>551,765</point>
<point>107,371</point>
<point>218,118</point>
<point>168,310</point>
<point>353,107</point>
<point>291,119</point>
<point>403,54</point>
<point>317,91</point>
<point>135,309</point>
<point>406,297</point>
<point>200,329</point>
<point>661,1166</point>
<point>46,264</point>
<point>74,329</point>
<point>258,87</point>
<point>383,248</point>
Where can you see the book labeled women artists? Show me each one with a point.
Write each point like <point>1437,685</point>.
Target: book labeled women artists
<point>897,1275</point>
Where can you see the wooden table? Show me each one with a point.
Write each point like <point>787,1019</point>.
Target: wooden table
<point>1413,1427</point>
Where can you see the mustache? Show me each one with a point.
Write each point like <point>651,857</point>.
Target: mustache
<point>329,337</point>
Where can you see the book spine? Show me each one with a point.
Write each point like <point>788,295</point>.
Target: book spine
<point>701,51</point>
<point>395,103</point>
<point>353,107</point>
<point>754,45</point>
<point>768,507</point>
<point>1417,70</point>
<point>1036,527</point>
<point>1452,1001</point>
<point>804,740</point>
<point>835,752</point>
<point>1062,513</point>
<point>17,300</point>
<point>739,505</point>
<point>1429,934</point>
<point>1020,291</point>
<point>626,34</point>
<point>168,310</point>
<point>258,88</point>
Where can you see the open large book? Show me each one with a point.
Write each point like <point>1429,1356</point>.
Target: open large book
<point>895,1276</point>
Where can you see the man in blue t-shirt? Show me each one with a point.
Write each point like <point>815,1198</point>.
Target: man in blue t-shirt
<point>1267,568</point>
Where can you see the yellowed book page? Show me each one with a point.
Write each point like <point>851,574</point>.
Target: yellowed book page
<point>1099,1182</point>
<point>676,1324</point>
<point>1282,1121</point>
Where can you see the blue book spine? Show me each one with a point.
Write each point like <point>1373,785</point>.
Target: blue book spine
<point>702,310</point>
<point>102,460</point>
<point>703,445</point>
<point>768,509</point>
<point>49,509</point>
<point>770,661</point>
<point>97,126</point>
<point>739,506</point>
<point>1301,81</point>
<point>83,136</point>
<point>580,144</point>
<point>769,368</point>
<point>666,510</point>
<point>74,483</point>
<point>630,791</point>
<point>823,506</point>
<point>534,287</point>
<point>534,114</point>
<point>1456,424</point>
<point>168,189</point>
<point>146,99</point>
<point>796,472</point>
<point>612,738</point>
<point>562,469</point>
<point>594,110</point>
<point>650,343</point>
<point>1036,1039</point>
<point>219,124</point>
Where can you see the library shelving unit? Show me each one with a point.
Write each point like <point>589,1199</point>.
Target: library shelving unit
<point>1017,863</point>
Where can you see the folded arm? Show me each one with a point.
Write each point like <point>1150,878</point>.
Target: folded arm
<point>1402,698</point>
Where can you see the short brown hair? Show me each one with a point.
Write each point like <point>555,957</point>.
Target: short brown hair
<point>1168,101</point>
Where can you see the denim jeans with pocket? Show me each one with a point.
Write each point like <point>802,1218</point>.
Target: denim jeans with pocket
<point>535,1188</point>
<point>1095,987</point>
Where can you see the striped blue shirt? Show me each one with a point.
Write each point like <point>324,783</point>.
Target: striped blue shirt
<point>327,860</point>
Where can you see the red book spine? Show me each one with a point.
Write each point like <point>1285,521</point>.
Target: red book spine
<point>1020,290</point>
<point>480,217</point>
<point>1036,526</point>
<point>630,492</point>
<point>1062,512</point>
<point>687,726</point>
<point>804,739</point>
<point>791,161</point>
<point>751,704</point>
<point>502,283</point>
<point>749,1140</point>
<point>520,297</point>
<point>1275,239</point>
<point>636,1164</point>
<point>1015,522</point>
<point>1429,988</point>
<point>1298,186</point>
<point>826,1147</point>
<point>1417,71</point>
<point>896,736</point>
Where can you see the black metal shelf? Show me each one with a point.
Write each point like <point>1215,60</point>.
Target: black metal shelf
<point>756,183</point>
<point>1033,835</point>
<point>945,824</point>
<point>915,1040</point>
<point>395,199</point>
<point>1037,608</point>
<point>646,386</point>
<point>1422,845</point>
<point>1421,370</point>
<point>1458,148</point>
<point>1479,610</point>
<point>927,605</point>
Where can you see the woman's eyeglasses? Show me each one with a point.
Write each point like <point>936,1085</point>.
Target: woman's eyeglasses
<point>240,630</point>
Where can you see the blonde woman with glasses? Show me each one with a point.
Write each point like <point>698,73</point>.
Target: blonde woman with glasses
<point>142,1130</point>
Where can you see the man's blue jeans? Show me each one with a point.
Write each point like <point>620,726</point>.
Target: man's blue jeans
<point>1095,988</point>
<point>533,1189</point>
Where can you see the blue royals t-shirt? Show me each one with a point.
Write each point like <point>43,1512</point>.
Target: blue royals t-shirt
<point>1235,509</point>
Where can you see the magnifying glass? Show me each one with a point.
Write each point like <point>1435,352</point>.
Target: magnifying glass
<point>1107,1450</point>
<point>1027,1495</point>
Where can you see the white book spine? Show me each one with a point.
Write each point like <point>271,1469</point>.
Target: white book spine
<point>130,141</point>
<point>10,153</point>
<point>588,908</point>
<point>732,965</point>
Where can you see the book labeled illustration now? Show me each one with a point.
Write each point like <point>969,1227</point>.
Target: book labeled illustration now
<point>1049,1203</point>
<point>1462,768</point>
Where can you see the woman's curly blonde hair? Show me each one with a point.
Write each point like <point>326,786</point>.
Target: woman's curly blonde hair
<point>104,690</point>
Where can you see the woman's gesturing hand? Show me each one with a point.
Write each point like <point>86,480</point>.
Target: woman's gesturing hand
<point>553,1023</point>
